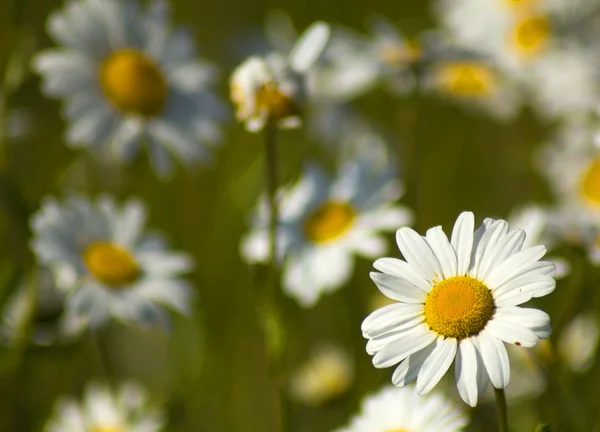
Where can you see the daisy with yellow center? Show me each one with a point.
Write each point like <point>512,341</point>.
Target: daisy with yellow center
<point>128,80</point>
<point>324,223</point>
<point>101,257</point>
<point>401,410</point>
<point>103,410</point>
<point>274,89</point>
<point>457,299</point>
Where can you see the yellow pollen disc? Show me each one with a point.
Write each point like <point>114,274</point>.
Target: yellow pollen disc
<point>111,264</point>
<point>590,183</point>
<point>329,221</point>
<point>276,104</point>
<point>107,429</point>
<point>468,79</point>
<point>530,35</point>
<point>396,54</point>
<point>459,307</point>
<point>133,83</point>
<point>396,430</point>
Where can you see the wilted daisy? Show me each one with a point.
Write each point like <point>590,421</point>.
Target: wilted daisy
<point>325,376</point>
<point>400,409</point>
<point>274,88</point>
<point>578,342</point>
<point>101,257</point>
<point>324,222</point>
<point>128,80</point>
<point>104,410</point>
<point>458,299</point>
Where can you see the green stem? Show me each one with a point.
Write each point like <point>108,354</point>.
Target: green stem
<point>502,411</point>
<point>271,186</point>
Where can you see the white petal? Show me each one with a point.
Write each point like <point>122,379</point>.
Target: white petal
<point>394,317</point>
<point>129,223</point>
<point>417,252</point>
<point>438,241</point>
<point>409,368</point>
<point>534,319</point>
<point>512,266</point>
<point>397,350</point>
<point>522,293</point>
<point>462,241</point>
<point>512,333</point>
<point>487,248</point>
<point>436,365</point>
<point>397,288</point>
<point>466,372</point>
<point>309,47</point>
<point>402,269</point>
<point>495,359</point>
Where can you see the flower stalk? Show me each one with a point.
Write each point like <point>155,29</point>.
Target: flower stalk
<point>502,410</point>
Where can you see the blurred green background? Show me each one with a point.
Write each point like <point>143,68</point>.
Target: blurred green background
<point>212,373</point>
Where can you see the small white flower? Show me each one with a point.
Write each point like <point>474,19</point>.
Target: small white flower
<point>325,376</point>
<point>274,88</point>
<point>578,342</point>
<point>128,79</point>
<point>324,223</point>
<point>400,409</point>
<point>457,299</point>
<point>102,410</point>
<point>101,257</point>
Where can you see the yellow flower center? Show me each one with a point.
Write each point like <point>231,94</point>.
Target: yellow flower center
<point>590,183</point>
<point>276,104</point>
<point>329,221</point>
<point>107,429</point>
<point>399,54</point>
<point>459,307</point>
<point>133,83</point>
<point>469,79</point>
<point>111,264</point>
<point>530,35</point>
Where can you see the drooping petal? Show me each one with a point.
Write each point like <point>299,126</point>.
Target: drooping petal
<point>436,365</point>
<point>466,372</point>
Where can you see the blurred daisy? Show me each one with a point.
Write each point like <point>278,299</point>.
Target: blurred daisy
<point>400,409</point>
<point>274,88</point>
<point>458,299</point>
<point>106,263</point>
<point>578,342</point>
<point>127,79</point>
<point>102,410</point>
<point>323,223</point>
<point>325,376</point>
<point>475,83</point>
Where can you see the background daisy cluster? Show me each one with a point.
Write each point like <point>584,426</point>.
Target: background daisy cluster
<point>133,218</point>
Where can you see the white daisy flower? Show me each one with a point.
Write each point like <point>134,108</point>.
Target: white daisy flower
<point>101,257</point>
<point>400,409</point>
<point>324,223</point>
<point>325,376</point>
<point>128,79</point>
<point>274,88</point>
<point>458,299</point>
<point>476,83</point>
<point>104,410</point>
<point>578,342</point>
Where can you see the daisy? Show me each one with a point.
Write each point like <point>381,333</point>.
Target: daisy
<point>274,88</point>
<point>400,409</point>
<point>103,410</point>
<point>325,376</point>
<point>323,223</point>
<point>107,265</point>
<point>128,79</point>
<point>457,299</point>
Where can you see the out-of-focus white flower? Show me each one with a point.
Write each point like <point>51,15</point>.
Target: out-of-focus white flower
<point>475,83</point>
<point>101,257</point>
<point>457,299</point>
<point>274,88</point>
<point>325,376</point>
<point>324,223</point>
<point>578,342</point>
<point>401,409</point>
<point>102,410</point>
<point>128,79</point>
